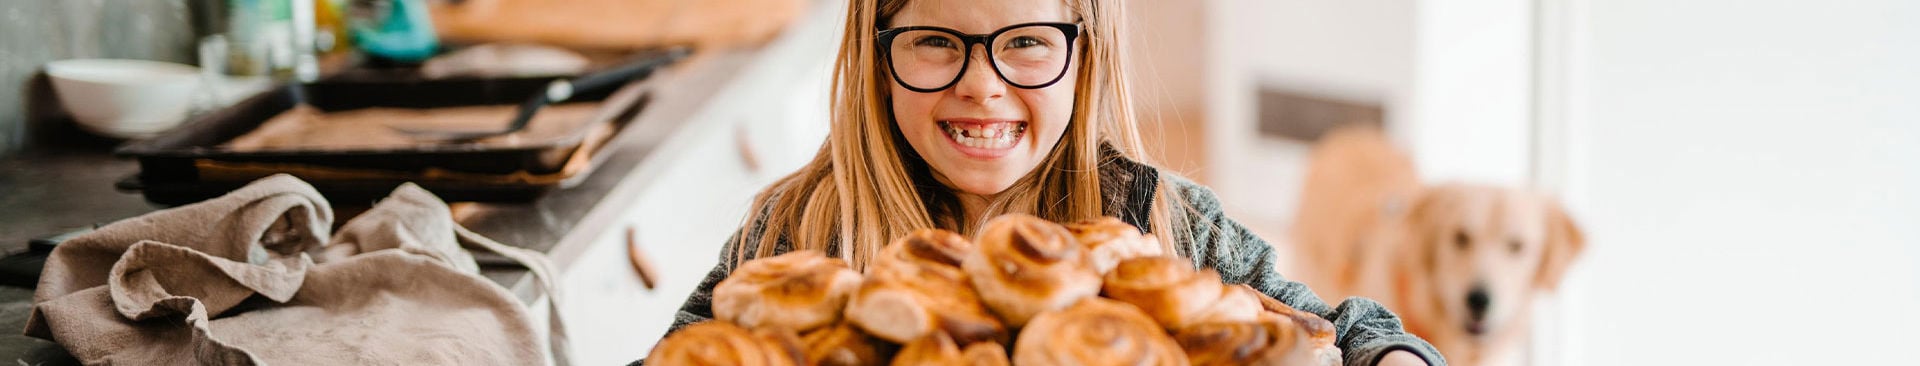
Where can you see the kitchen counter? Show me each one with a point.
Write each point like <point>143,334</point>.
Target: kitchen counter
<point>70,184</point>
<point>66,181</point>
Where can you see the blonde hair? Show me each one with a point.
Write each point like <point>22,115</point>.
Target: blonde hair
<point>866,186</point>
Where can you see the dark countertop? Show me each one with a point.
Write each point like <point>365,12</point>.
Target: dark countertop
<point>65,180</point>
<point>63,183</point>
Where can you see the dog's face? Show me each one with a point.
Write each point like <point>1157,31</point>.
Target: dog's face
<point>1486,250</point>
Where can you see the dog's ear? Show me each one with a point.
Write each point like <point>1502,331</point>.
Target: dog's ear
<point>1417,221</point>
<point>1415,255</point>
<point>1564,243</point>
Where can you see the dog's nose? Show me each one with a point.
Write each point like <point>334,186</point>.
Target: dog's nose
<point>1477,302</point>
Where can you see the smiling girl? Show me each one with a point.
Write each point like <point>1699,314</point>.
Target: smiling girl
<point>950,112</point>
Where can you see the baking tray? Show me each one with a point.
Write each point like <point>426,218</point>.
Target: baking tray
<point>347,185</point>
<point>189,163</point>
<point>170,156</point>
<point>349,192</point>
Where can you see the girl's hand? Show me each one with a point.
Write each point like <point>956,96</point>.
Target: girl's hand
<point>1402,358</point>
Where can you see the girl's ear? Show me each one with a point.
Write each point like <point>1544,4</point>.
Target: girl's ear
<point>1564,243</point>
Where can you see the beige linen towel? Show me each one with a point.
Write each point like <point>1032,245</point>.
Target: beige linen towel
<point>229,281</point>
<point>411,220</point>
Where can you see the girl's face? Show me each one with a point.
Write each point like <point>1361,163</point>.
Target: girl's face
<point>982,134</point>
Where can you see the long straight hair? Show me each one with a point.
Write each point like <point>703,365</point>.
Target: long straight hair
<point>866,186</point>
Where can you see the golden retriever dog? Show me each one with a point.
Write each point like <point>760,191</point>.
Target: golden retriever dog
<point>1460,263</point>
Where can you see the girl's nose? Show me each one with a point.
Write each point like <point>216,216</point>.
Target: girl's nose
<point>979,83</point>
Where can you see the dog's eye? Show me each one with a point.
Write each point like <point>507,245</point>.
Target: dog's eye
<point>1460,239</point>
<point>1513,245</point>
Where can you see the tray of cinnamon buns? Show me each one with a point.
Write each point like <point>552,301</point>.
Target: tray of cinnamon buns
<point>1027,292</point>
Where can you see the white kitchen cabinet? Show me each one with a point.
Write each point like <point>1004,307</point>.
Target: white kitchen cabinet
<point>693,189</point>
<point>680,222</point>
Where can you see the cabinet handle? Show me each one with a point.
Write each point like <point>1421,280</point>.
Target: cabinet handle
<point>745,144</point>
<point>639,260</point>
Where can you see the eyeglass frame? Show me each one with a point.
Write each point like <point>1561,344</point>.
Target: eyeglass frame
<point>885,40</point>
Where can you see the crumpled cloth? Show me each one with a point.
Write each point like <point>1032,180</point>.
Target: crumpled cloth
<point>253,278</point>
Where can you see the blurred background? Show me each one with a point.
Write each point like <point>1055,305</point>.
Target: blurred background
<point>1745,172</point>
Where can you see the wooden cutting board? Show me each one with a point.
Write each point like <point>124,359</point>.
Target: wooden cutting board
<point>615,24</point>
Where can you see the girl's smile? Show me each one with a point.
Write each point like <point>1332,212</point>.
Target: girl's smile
<point>984,139</point>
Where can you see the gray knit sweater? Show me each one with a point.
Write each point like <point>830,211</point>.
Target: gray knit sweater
<point>1366,331</point>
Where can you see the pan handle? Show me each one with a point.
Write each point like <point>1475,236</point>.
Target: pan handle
<point>562,90</point>
<point>130,183</point>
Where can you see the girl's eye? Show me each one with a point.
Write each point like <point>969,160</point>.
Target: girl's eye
<point>1460,239</point>
<point>1513,246</point>
<point>937,42</point>
<point>1024,42</point>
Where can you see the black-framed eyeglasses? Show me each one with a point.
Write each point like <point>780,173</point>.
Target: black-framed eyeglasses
<point>1028,55</point>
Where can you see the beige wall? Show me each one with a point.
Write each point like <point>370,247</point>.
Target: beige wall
<point>1167,52</point>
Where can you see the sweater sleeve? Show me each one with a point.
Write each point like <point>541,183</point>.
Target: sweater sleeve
<point>1365,330</point>
<point>699,305</point>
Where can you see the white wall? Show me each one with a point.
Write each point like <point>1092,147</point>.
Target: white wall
<point>1749,173</point>
<point>1469,111</point>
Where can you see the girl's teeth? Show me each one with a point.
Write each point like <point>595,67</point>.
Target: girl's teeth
<point>995,137</point>
<point>998,136</point>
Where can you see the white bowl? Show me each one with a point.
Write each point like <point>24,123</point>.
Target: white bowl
<point>125,98</point>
